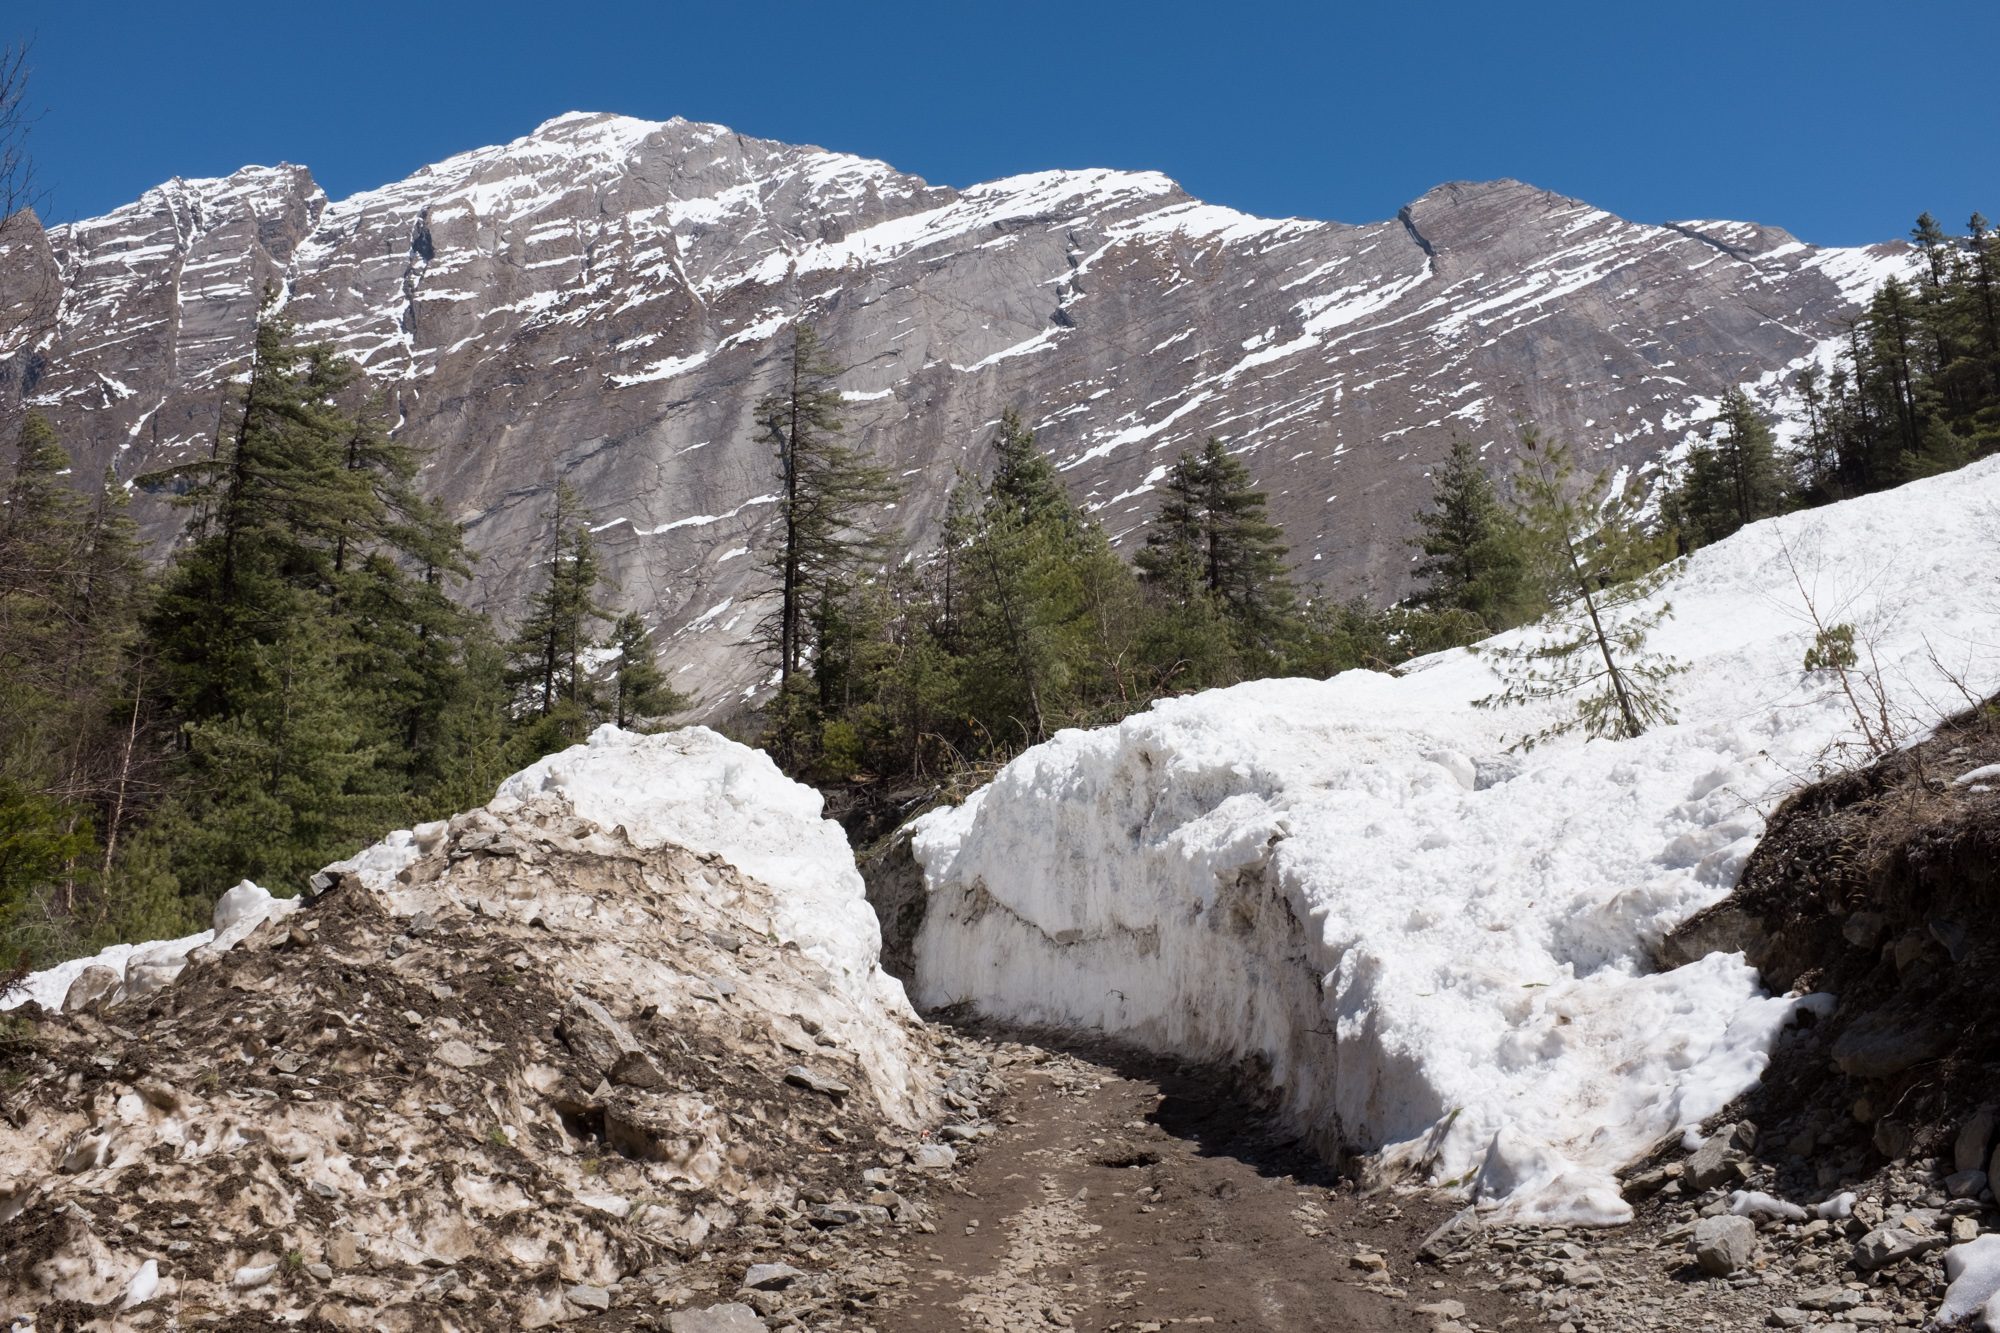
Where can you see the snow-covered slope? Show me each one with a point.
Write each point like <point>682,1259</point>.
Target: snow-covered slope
<point>1438,947</point>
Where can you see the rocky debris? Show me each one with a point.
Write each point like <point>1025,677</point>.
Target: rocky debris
<point>499,1089</point>
<point>611,279</point>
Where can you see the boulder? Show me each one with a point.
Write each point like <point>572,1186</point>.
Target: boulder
<point>771,1277</point>
<point>730,1318</point>
<point>1723,1245</point>
<point>94,985</point>
<point>1975,1136</point>
<point>1887,1245</point>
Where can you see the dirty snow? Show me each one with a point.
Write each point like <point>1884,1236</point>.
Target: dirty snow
<point>700,790</point>
<point>1441,948</point>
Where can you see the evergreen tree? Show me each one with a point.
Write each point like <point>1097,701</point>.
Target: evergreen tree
<point>305,648</point>
<point>1730,482</point>
<point>1211,537</point>
<point>639,687</point>
<point>1472,560</point>
<point>1602,566</point>
<point>549,664</point>
<point>824,535</point>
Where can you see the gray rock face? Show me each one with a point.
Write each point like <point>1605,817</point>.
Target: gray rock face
<point>605,300</point>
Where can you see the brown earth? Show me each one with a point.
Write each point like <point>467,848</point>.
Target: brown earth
<point>1122,1192</point>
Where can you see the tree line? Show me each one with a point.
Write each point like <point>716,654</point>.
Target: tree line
<point>298,678</point>
<point>302,673</point>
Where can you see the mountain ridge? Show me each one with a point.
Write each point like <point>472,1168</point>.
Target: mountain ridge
<point>604,298</point>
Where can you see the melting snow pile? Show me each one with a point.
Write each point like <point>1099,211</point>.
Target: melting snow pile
<point>700,790</point>
<point>693,788</point>
<point>1441,948</point>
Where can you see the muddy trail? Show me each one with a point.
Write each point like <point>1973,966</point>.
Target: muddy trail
<point>1123,1192</point>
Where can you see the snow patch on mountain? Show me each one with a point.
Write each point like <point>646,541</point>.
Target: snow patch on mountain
<point>1439,947</point>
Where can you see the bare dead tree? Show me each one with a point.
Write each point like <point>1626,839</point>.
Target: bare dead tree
<point>25,301</point>
<point>17,170</point>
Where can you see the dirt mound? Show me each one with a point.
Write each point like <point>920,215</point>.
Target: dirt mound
<point>544,1076</point>
<point>1880,887</point>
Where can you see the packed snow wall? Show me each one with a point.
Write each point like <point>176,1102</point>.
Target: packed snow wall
<point>1439,945</point>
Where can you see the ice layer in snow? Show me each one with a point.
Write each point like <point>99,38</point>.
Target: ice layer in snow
<point>1438,947</point>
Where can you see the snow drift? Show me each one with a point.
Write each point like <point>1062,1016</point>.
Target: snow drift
<point>1440,948</point>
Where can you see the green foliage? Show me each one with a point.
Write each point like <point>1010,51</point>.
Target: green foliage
<point>639,689</point>
<point>1473,564</point>
<point>548,662</point>
<point>1600,566</point>
<point>1832,650</point>
<point>825,536</point>
<point>1733,480</point>
<point>1917,390</point>
<point>1211,540</point>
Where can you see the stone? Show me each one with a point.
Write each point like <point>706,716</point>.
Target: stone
<point>1965,1184</point>
<point>1864,930</point>
<point>637,1069</point>
<point>593,1035</point>
<point>1443,1309</point>
<point>1975,1137</point>
<point>94,985</point>
<point>1831,1300</point>
<point>1786,1316</point>
<point>729,1318</point>
<point>1713,1163</point>
<point>847,1214</point>
<point>1881,1045</point>
<point>934,1157</point>
<point>800,1076</point>
<point>1887,1245</point>
<point>1723,1245</point>
<point>960,1133</point>
<point>771,1277</point>
<point>588,1297</point>
<point>459,1055</point>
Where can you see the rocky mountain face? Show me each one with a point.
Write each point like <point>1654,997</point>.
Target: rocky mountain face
<point>606,299</point>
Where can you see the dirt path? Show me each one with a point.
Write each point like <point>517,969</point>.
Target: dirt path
<point>1124,1194</point>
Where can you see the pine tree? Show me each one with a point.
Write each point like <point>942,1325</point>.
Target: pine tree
<point>824,535</point>
<point>639,687</point>
<point>1730,482</point>
<point>1211,535</point>
<point>1472,561</point>
<point>1603,568</point>
<point>549,660</point>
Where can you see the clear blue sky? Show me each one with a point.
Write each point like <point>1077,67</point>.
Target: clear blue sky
<point>1837,120</point>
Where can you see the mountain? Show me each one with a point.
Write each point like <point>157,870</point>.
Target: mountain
<point>605,300</point>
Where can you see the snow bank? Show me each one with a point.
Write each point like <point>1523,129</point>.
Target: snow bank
<point>1439,948</point>
<point>703,791</point>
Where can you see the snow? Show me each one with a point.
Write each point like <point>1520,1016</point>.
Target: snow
<point>1973,1270</point>
<point>1439,947</point>
<point>1757,1204</point>
<point>147,966</point>
<point>700,790</point>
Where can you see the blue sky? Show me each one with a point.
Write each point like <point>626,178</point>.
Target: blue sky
<point>1839,121</point>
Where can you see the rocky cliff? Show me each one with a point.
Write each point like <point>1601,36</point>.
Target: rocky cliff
<point>605,300</point>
